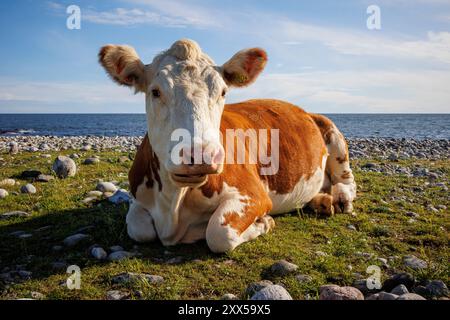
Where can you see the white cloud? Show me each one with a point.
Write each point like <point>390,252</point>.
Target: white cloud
<point>356,91</point>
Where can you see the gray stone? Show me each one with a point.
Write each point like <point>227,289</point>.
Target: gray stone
<point>91,160</point>
<point>13,148</point>
<point>437,289</point>
<point>119,255</point>
<point>400,278</point>
<point>410,296</point>
<point>272,292</point>
<point>116,295</point>
<point>98,253</point>
<point>303,278</point>
<point>75,239</point>
<point>382,296</point>
<point>120,196</point>
<point>28,188</point>
<point>229,296</point>
<point>282,268</point>
<point>64,167</point>
<point>257,286</point>
<point>3,193</point>
<point>44,178</point>
<point>86,147</point>
<point>13,214</point>
<point>415,263</point>
<point>400,289</point>
<point>106,187</point>
<point>334,292</point>
<point>7,183</point>
<point>133,278</point>
<point>115,248</point>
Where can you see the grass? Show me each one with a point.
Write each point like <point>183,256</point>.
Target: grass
<point>382,229</point>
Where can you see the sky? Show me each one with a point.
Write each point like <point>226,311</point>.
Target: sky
<point>322,55</point>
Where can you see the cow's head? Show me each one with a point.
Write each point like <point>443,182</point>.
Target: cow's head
<point>185,96</point>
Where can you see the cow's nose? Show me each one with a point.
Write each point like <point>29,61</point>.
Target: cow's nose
<point>202,158</point>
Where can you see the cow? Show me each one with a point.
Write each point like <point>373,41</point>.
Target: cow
<point>218,199</point>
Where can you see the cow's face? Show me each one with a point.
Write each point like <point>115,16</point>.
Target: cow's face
<point>185,97</point>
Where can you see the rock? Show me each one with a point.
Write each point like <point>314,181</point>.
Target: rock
<point>133,278</point>
<point>119,255</point>
<point>37,295</point>
<point>393,157</point>
<point>74,156</point>
<point>89,200</point>
<point>86,147</point>
<point>107,194</point>
<point>412,214</point>
<point>382,296</point>
<point>116,295</point>
<point>91,161</point>
<point>13,214</point>
<point>229,296</point>
<point>95,194</point>
<point>410,296</point>
<point>3,193</point>
<point>7,183</point>
<point>400,289</point>
<point>303,278</point>
<point>64,167</point>
<point>115,248</point>
<point>351,227</point>
<point>437,289</point>
<point>44,178</point>
<point>98,253</point>
<point>321,254</point>
<point>282,268</point>
<point>74,239</point>
<point>272,292</point>
<point>401,278</point>
<point>257,286</point>
<point>414,263</point>
<point>120,196</point>
<point>28,188</point>
<point>13,148</point>
<point>384,262</point>
<point>334,292</point>
<point>106,187</point>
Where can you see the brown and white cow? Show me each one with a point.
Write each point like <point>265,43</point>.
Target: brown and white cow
<point>224,202</point>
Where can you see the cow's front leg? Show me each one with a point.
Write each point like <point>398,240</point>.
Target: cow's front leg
<point>140,223</point>
<point>236,221</point>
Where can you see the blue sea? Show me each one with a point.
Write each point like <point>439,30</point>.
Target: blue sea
<point>419,126</point>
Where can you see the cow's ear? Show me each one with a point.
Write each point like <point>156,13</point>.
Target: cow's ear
<point>244,67</point>
<point>123,65</point>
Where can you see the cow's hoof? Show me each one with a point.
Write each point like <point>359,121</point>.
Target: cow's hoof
<point>268,222</point>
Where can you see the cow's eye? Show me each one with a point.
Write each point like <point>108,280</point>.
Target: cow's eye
<point>224,93</point>
<point>156,93</point>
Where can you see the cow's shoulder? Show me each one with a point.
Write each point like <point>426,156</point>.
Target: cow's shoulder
<point>145,165</point>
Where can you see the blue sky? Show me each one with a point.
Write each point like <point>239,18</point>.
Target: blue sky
<point>322,56</point>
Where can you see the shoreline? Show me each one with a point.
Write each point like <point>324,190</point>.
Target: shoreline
<point>359,148</point>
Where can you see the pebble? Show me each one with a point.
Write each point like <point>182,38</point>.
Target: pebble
<point>74,239</point>
<point>351,227</point>
<point>131,277</point>
<point>257,286</point>
<point>272,292</point>
<point>95,194</point>
<point>44,178</point>
<point>13,148</point>
<point>382,296</point>
<point>119,255</point>
<point>89,200</point>
<point>116,295</point>
<point>28,188</point>
<point>229,296</point>
<point>120,196</point>
<point>437,289</point>
<point>410,296</point>
<point>7,183</point>
<point>303,278</point>
<point>400,289</point>
<point>106,187</point>
<point>414,263</point>
<point>321,254</point>
<point>13,214</point>
<point>86,147</point>
<point>91,161</point>
<point>99,253</point>
<point>3,193</point>
<point>115,248</point>
<point>64,167</point>
<point>334,292</point>
<point>282,268</point>
<point>406,279</point>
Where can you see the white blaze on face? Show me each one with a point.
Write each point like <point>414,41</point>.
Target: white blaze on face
<point>184,103</point>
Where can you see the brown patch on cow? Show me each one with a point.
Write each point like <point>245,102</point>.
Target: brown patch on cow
<point>146,164</point>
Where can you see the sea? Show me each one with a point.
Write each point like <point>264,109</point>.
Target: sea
<point>417,126</point>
